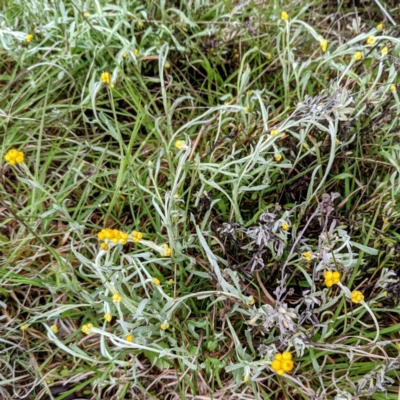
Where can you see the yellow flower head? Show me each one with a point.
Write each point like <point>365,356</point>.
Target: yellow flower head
<point>86,328</point>
<point>156,281</point>
<point>356,296</point>
<point>398,346</point>
<point>370,40</point>
<point>137,236</point>
<point>54,328</point>
<point>124,54</point>
<point>246,378</point>
<point>136,52</point>
<point>24,327</point>
<point>247,110</point>
<point>181,145</point>
<point>285,226</point>
<point>307,255</point>
<point>14,157</point>
<point>129,338</point>
<point>116,298</point>
<point>140,24</point>
<point>164,326</point>
<point>251,301</point>
<point>106,77</point>
<point>358,56</point>
<point>274,132</point>
<point>167,250</point>
<point>85,14</point>
<point>282,363</point>
<point>278,157</point>
<point>108,317</point>
<point>284,15</point>
<point>384,51</point>
<point>380,26</point>
<point>113,236</point>
<point>171,282</point>
<point>29,38</point>
<point>331,278</point>
<point>104,246</point>
<point>324,45</point>
<point>393,88</point>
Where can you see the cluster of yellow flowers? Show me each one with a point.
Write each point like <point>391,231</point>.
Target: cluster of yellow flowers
<point>307,255</point>
<point>86,328</point>
<point>331,278</point>
<point>356,296</point>
<point>282,363</point>
<point>285,226</point>
<point>164,326</point>
<point>167,251</point>
<point>113,236</point>
<point>14,156</point>
<point>29,38</point>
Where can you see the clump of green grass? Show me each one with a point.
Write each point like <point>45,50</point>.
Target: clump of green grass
<point>202,201</point>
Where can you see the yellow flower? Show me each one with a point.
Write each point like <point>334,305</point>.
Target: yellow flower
<point>171,282</point>
<point>167,250</point>
<point>164,326</point>
<point>358,56</point>
<point>116,298</point>
<point>113,236</point>
<point>156,281</point>
<point>124,54</point>
<point>282,363</point>
<point>140,24</point>
<point>324,45</point>
<point>247,110</point>
<point>180,144</point>
<point>331,278</point>
<point>29,38</point>
<point>307,255</point>
<point>85,14</point>
<point>398,346</point>
<point>370,40</point>
<point>384,51</point>
<point>246,378</point>
<point>54,328</point>
<point>393,88</point>
<point>356,296</point>
<point>106,77</point>
<point>86,328</point>
<point>274,132</point>
<point>251,301</point>
<point>24,327</point>
<point>136,52</point>
<point>137,236</point>
<point>278,157</point>
<point>380,26</point>
<point>104,246</point>
<point>285,226</point>
<point>108,317</point>
<point>14,156</point>
<point>284,15</point>
<point>129,338</point>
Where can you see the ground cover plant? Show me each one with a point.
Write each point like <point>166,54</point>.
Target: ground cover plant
<point>199,200</point>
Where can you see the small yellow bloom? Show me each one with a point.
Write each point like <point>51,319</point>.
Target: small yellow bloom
<point>358,56</point>
<point>246,378</point>
<point>164,326</point>
<point>180,144</point>
<point>140,24</point>
<point>137,236</point>
<point>274,132</point>
<point>370,40</point>
<point>380,26</point>
<point>356,296</point>
<point>393,88</point>
<point>398,346</point>
<point>247,110</point>
<point>285,226</point>
<point>284,15</point>
<point>86,328</point>
<point>156,281</point>
<point>14,157</point>
<point>108,317</point>
<point>116,298</point>
<point>24,327</point>
<point>129,338</point>
<point>54,328</point>
<point>282,363</point>
<point>29,38</point>
<point>324,45</point>
<point>104,246</point>
<point>384,51</point>
<point>136,52</point>
<point>171,282</point>
<point>124,54</point>
<point>167,250</point>
<point>251,301</point>
<point>278,157</point>
<point>113,236</point>
<point>106,77</point>
<point>307,255</point>
<point>331,278</point>
<point>85,14</point>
